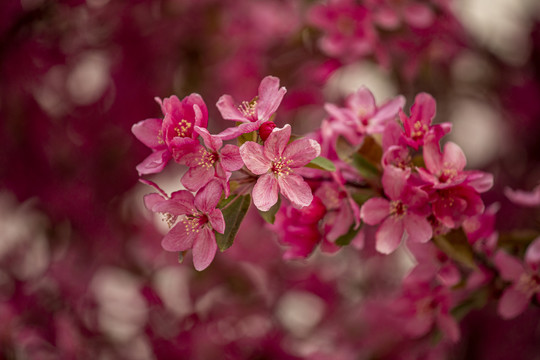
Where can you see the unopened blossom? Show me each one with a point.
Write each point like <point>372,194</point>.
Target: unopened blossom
<point>417,127</point>
<point>276,162</point>
<point>208,162</point>
<point>251,113</point>
<point>165,136</point>
<point>404,211</point>
<point>524,278</point>
<point>193,220</point>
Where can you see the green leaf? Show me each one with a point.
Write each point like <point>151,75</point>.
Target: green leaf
<point>270,215</point>
<point>346,239</point>
<point>456,245</point>
<point>234,209</point>
<point>321,163</point>
<point>364,167</point>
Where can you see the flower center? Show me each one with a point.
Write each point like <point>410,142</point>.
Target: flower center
<point>529,284</point>
<point>193,223</point>
<point>281,166</point>
<point>398,209</point>
<point>249,109</point>
<point>169,218</point>
<point>160,137</point>
<point>447,174</point>
<point>419,130</point>
<point>207,159</point>
<point>182,129</point>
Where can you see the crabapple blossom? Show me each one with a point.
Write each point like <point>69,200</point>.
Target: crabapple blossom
<point>404,212</point>
<point>192,221</point>
<point>251,113</point>
<point>275,162</point>
<point>208,162</point>
<point>176,129</point>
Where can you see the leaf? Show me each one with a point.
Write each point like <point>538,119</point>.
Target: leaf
<point>321,163</point>
<point>346,239</point>
<point>270,215</point>
<point>234,209</point>
<point>364,167</point>
<point>457,247</point>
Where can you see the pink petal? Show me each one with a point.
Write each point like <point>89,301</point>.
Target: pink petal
<point>479,180</point>
<point>178,239</point>
<point>196,102</point>
<point>216,220</point>
<point>276,142</point>
<point>449,275</point>
<point>269,97</point>
<point>301,152</point>
<point>342,223</point>
<point>294,188</point>
<point>389,110</point>
<point>512,303</point>
<point>230,158</point>
<point>204,249</point>
<point>423,109</point>
<point>418,228</point>
<point>150,200</point>
<point>147,131</point>
<point>389,235</point>
<point>509,267</point>
<point>188,152</point>
<point>154,163</point>
<point>208,197</point>
<point>454,157</point>
<point>228,109</point>
<point>253,156</point>
<point>433,158</point>
<point>265,192</point>
<point>532,256</point>
<point>394,181</point>
<point>196,177</point>
<point>419,15</point>
<point>375,210</point>
<point>210,141</point>
<point>181,204</point>
<point>524,198</point>
<point>362,102</point>
<point>236,131</point>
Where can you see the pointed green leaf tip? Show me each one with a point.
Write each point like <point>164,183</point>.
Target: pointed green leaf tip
<point>321,163</point>
<point>270,215</point>
<point>234,209</point>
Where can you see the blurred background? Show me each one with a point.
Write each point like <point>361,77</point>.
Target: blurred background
<point>82,272</point>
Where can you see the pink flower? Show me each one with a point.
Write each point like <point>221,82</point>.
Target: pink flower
<point>253,113</point>
<point>176,129</point>
<point>406,211</point>
<point>525,280</point>
<point>276,162</point>
<point>209,161</point>
<point>418,128</point>
<point>361,115</point>
<point>193,220</point>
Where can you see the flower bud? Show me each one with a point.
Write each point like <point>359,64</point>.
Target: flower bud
<point>265,129</point>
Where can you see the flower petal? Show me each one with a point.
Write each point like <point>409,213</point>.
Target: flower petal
<point>216,220</point>
<point>236,131</point>
<point>253,156</point>
<point>178,239</point>
<point>389,235</point>
<point>375,210</point>
<point>362,102</point>
<point>532,256</point>
<point>453,157</point>
<point>418,228</point>
<point>269,97</point>
<point>512,303</point>
<point>294,188</point>
<point>230,158</point>
<point>228,109</point>
<point>208,197</point>
<point>276,142</point>
<point>180,204</point>
<point>301,152</point>
<point>154,163</point>
<point>204,249</point>
<point>196,177</point>
<point>210,141</point>
<point>148,132</point>
<point>265,192</point>
<point>509,267</point>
